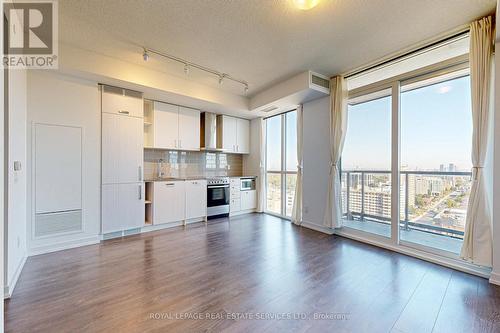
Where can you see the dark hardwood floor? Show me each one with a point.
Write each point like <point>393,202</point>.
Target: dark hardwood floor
<point>246,273</point>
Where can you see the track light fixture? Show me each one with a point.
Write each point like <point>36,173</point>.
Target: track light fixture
<point>188,65</point>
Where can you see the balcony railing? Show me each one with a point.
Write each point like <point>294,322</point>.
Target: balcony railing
<point>405,222</point>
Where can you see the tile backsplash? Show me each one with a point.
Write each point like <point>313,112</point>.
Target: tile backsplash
<point>191,163</point>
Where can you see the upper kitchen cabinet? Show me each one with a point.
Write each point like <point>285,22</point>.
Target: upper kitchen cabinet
<point>189,129</point>
<point>121,101</point>
<point>233,134</point>
<point>166,126</point>
<point>175,127</point>
<point>242,136</point>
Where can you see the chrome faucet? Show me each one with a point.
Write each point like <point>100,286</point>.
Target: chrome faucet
<point>160,168</point>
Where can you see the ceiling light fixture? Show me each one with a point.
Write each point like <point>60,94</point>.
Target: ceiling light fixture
<point>188,65</point>
<point>145,55</point>
<point>305,4</point>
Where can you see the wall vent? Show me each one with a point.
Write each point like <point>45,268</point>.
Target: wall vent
<point>50,224</point>
<point>320,81</point>
<point>121,91</point>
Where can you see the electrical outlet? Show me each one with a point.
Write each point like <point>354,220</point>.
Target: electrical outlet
<point>228,167</point>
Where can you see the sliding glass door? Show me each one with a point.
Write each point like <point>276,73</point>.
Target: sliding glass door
<point>281,163</point>
<point>436,132</point>
<point>406,163</point>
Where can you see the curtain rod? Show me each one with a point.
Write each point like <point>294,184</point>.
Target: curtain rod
<point>461,33</point>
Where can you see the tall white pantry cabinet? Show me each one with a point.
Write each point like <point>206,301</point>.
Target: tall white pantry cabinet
<point>122,190</point>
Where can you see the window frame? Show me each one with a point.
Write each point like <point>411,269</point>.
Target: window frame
<point>455,67</point>
<point>283,172</point>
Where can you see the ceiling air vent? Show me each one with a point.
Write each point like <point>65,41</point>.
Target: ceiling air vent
<point>320,81</point>
<point>269,109</point>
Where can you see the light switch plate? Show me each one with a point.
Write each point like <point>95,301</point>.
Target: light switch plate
<point>17,166</point>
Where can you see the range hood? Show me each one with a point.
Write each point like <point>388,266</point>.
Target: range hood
<point>208,132</point>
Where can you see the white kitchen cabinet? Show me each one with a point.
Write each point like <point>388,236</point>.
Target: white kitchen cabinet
<point>122,207</point>
<point>122,149</point>
<point>234,205</point>
<point>196,199</point>
<point>242,136</point>
<point>166,126</point>
<point>176,127</point>
<point>235,135</point>
<point>189,129</point>
<point>114,101</point>
<point>229,128</point>
<point>169,202</point>
<point>248,200</point>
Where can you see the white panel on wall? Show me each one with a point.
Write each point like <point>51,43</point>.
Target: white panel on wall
<point>57,168</point>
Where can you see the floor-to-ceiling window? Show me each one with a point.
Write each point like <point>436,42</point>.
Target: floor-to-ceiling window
<point>406,163</point>
<point>436,132</point>
<point>281,163</point>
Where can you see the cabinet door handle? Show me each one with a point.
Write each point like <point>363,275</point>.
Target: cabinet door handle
<point>140,192</point>
<point>170,184</point>
<point>123,112</point>
<point>140,173</point>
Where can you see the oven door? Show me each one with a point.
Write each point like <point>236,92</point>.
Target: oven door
<point>217,195</point>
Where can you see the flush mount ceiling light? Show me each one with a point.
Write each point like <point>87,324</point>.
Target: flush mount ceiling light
<point>188,65</point>
<point>305,4</point>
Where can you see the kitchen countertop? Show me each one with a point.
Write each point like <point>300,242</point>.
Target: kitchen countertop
<point>169,179</point>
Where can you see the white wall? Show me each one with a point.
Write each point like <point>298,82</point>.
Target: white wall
<point>495,274</point>
<point>63,100</point>
<point>16,199</point>
<point>316,160</point>
<point>2,185</point>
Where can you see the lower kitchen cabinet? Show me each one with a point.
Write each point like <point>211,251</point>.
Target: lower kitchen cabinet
<point>196,199</point>
<point>122,207</point>
<point>169,202</point>
<point>248,200</point>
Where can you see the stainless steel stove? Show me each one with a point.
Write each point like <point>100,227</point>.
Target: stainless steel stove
<point>218,196</point>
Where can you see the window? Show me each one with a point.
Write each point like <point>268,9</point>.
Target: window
<point>436,132</point>
<point>366,165</point>
<point>281,163</point>
<point>427,134</point>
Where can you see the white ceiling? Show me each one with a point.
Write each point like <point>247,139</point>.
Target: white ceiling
<point>261,41</point>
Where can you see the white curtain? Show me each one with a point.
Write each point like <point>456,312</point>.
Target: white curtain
<point>261,179</point>
<point>477,245</point>
<point>297,200</point>
<point>338,128</point>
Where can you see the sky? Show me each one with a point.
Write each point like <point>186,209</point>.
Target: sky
<point>436,128</point>
<point>274,142</point>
